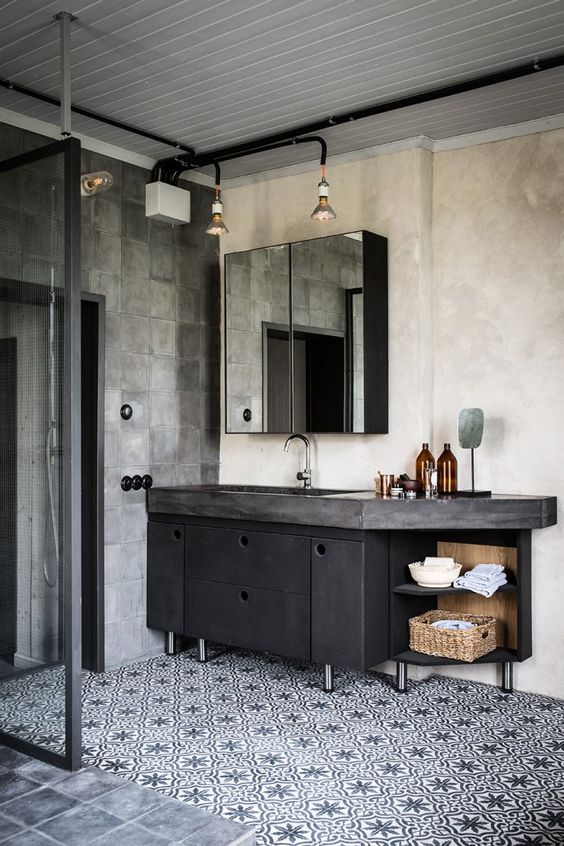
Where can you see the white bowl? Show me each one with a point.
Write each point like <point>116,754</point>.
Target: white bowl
<point>434,576</point>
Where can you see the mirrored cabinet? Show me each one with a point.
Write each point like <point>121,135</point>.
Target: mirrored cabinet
<point>306,336</point>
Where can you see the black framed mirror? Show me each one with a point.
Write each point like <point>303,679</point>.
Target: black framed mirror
<point>306,337</point>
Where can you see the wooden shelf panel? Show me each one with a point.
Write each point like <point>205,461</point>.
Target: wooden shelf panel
<point>498,656</point>
<point>413,589</point>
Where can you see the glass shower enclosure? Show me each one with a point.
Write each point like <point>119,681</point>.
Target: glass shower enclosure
<point>40,638</point>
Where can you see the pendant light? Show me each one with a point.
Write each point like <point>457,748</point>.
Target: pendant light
<point>217,226</point>
<point>323,211</point>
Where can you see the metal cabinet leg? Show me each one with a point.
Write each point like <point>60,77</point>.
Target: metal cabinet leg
<point>507,677</point>
<point>401,677</point>
<point>170,643</point>
<point>328,679</point>
<point>202,651</point>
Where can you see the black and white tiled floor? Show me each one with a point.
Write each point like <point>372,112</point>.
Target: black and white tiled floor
<point>255,739</point>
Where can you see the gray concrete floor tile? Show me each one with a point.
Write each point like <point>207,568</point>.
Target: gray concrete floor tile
<point>175,820</point>
<point>89,784</point>
<point>8,827</point>
<point>11,759</point>
<point>132,834</point>
<point>219,832</point>
<point>45,773</point>
<point>28,837</point>
<point>37,806</point>
<point>130,801</point>
<point>12,784</point>
<point>80,826</point>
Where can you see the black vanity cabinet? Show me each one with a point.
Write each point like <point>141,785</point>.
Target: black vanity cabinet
<point>310,594</point>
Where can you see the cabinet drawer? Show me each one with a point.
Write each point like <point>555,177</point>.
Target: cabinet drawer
<point>260,559</point>
<point>249,617</point>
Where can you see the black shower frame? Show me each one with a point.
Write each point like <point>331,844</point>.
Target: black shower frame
<point>72,758</point>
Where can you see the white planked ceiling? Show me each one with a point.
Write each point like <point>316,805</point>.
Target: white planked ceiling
<point>214,72</point>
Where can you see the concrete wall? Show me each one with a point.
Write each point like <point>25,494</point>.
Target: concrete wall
<point>476,318</point>
<point>161,285</point>
<point>498,250</point>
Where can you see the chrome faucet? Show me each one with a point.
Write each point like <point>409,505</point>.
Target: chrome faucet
<point>304,475</point>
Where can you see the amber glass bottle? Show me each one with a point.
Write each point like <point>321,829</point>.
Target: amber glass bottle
<point>447,470</point>
<point>424,459</point>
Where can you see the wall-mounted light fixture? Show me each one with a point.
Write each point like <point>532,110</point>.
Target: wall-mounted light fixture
<point>216,225</point>
<point>91,183</point>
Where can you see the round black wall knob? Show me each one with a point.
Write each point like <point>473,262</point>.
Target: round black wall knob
<point>137,483</point>
<point>247,415</point>
<point>126,483</point>
<point>147,481</point>
<point>126,412</point>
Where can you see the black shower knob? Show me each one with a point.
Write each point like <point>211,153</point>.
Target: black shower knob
<point>126,412</point>
<point>137,482</point>
<point>126,483</point>
<point>147,481</point>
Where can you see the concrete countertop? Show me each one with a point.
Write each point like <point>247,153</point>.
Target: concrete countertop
<point>354,510</point>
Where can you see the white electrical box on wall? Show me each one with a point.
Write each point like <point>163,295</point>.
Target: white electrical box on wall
<point>167,202</point>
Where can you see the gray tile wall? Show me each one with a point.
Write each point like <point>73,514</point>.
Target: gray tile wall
<point>161,285</point>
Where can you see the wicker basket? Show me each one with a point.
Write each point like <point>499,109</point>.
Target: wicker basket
<point>462,646</point>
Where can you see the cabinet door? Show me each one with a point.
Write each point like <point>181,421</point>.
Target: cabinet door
<point>165,576</point>
<point>337,603</point>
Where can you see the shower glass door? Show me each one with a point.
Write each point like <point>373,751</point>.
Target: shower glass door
<point>39,452</point>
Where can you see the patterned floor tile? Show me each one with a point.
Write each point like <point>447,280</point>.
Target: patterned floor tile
<point>255,739</point>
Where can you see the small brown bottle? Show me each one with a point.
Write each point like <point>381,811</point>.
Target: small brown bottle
<point>423,460</point>
<point>447,471</point>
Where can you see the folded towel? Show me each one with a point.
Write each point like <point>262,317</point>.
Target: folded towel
<point>485,572</point>
<point>454,625</point>
<point>486,590</point>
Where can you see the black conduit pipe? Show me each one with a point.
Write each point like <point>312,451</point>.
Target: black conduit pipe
<point>118,124</point>
<point>269,142</point>
<point>170,170</point>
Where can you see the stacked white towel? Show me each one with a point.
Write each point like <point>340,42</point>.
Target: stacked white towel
<point>484,579</point>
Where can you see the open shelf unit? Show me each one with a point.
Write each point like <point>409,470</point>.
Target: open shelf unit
<point>417,590</point>
<point>498,656</point>
<point>510,605</point>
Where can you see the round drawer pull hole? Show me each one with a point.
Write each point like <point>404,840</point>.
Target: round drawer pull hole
<point>320,549</point>
<point>177,534</point>
<point>243,540</point>
<point>244,596</point>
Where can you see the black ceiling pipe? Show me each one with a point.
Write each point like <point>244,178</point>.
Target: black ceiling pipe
<point>291,135</point>
<point>118,124</point>
<point>170,170</point>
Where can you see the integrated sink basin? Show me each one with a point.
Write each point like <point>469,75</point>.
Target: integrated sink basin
<point>271,489</point>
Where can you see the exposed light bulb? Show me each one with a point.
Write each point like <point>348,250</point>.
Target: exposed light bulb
<point>91,183</point>
<point>217,226</point>
<point>323,210</point>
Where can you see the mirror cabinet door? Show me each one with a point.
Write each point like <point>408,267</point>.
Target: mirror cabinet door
<point>327,278</point>
<point>257,355</point>
<point>330,296</point>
